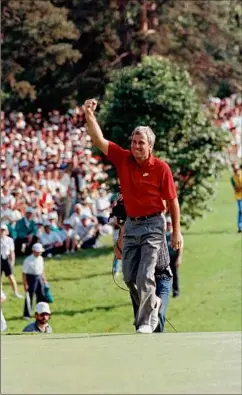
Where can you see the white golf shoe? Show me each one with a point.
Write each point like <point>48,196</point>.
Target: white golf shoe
<point>144,329</point>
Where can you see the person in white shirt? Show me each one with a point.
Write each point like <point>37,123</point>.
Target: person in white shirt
<point>34,278</point>
<point>8,258</point>
<point>3,321</point>
<point>51,241</point>
<point>70,237</point>
<point>103,207</point>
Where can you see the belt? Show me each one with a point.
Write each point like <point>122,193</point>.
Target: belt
<point>145,217</point>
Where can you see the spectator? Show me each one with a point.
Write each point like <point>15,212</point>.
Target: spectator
<point>175,258</point>
<point>51,241</point>
<point>103,207</point>
<point>3,321</point>
<point>42,317</point>
<point>34,278</point>
<point>8,258</point>
<point>88,230</point>
<point>26,232</point>
<point>236,181</point>
<point>70,237</point>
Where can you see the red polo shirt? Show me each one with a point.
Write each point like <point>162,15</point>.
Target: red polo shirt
<point>143,187</point>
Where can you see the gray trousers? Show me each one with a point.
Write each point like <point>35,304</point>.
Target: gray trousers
<point>142,243</point>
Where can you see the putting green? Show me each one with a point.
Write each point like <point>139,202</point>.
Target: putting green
<point>182,363</point>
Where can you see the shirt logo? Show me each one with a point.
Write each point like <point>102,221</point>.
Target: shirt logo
<point>145,174</point>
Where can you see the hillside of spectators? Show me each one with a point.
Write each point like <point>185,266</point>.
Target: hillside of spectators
<point>52,187</point>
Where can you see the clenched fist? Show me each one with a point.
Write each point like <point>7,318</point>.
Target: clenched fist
<point>89,107</point>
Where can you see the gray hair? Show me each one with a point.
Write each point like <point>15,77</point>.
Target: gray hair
<point>146,130</point>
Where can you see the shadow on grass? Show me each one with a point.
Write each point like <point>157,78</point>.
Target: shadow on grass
<point>205,232</point>
<point>77,278</point>
<point>71,313</point>
<point>79,255</point>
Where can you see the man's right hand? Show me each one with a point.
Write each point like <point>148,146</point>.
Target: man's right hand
<point>26,287</point>
<point>89,107</point>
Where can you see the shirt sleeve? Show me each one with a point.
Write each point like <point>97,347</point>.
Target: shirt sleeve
<point>168,188</point>
<point>116,154</point>
<point>25,265</point>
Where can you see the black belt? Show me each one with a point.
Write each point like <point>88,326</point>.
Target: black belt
<point>145,217</point>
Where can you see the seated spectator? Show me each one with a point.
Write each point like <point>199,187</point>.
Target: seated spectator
<point>103,207</point>
<point>26,232</point>
<point>70,237</point>
<point>42,317</point>
<point>88,230</point>
<point>51,241</point>
<point>34,278</point>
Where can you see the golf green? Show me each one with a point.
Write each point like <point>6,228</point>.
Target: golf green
<point>172,363</point>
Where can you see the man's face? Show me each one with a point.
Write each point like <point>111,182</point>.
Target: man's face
<point>28,216</point>
<point>140,147</point>
<point>42,318</point>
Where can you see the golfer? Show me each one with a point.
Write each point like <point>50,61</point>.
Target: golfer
<point>146,182</point>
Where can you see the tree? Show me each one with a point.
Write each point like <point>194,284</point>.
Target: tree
<point>159,94</point>
<point>37,53</point>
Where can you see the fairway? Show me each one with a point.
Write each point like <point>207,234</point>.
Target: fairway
<point>197,363</point>
<point>88,301</point>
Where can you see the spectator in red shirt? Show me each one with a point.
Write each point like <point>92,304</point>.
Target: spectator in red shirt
<point>146,182</point>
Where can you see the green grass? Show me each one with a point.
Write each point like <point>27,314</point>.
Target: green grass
<point>88,301</point>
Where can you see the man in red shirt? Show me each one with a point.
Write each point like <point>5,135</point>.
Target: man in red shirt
<point>146,182</point>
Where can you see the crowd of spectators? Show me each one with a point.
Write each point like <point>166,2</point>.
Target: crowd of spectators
<point>227,115</point>
<point>53,189</point>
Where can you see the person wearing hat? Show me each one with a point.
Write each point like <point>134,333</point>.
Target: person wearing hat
<point>51,241</point>
<point>70,237</point>
<point>8,258</point>
<point>175,257</point>
<point>34,278</point>
<point>42,316</point>
<point>26,232</point>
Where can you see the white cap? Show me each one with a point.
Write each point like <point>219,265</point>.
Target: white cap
<point>23,163</point>
<point>29,210</point>
<point>42,307</point>
<point>4,227</point>
<point>87,151</point>
<point>38,247</point>
<point>47,223</point>
<point>31,189</point>
<point>42,182</point>
<point>52,215</point>
<point>67,222</point>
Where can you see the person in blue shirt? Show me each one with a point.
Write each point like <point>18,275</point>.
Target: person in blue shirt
<point>42,316</point>
<point>175,258</point>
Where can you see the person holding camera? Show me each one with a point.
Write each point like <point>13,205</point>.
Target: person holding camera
<point>146,182</point>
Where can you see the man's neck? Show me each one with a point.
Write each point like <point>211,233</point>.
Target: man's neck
<point>42,327</point>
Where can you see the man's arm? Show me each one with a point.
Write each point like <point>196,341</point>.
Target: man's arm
<point>93,127</point>
<point>174,210</point>
<point>12,257</point>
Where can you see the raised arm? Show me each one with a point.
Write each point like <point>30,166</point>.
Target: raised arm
<point>93,127</point>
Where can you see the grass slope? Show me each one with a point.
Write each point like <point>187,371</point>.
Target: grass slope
<point>87,300</point>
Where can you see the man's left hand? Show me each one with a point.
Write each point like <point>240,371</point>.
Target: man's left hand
<point>176,241</point>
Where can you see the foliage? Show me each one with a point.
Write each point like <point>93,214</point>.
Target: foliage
<point>159,94</point>
<point>59,51</point>
<point>37,52</point>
